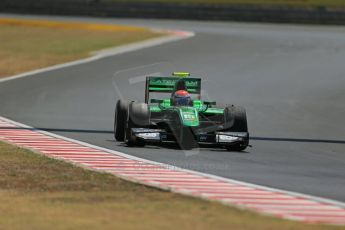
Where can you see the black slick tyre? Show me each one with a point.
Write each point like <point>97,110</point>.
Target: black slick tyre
<point>120,119</point>
<point>138,116</point>
<point>236,121</point>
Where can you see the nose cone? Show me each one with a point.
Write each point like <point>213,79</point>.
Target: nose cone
<point>189,116</point>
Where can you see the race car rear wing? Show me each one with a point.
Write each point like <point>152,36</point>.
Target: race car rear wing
<point>169,84</point>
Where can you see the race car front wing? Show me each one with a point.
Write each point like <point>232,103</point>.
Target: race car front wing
<point>221,138</point>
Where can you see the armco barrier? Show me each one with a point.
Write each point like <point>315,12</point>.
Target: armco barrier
<point>315,15</point>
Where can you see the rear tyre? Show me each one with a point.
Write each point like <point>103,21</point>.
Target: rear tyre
<point>236,121</point>
<point>120,119</point>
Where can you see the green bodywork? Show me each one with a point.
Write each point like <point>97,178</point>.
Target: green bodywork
<point>189,115</point>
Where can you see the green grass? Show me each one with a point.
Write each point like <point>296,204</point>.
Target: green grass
<point>251,2</point>
<point>24,48</point>
<point>41,193</point>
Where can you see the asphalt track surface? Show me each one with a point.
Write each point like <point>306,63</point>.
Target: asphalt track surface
<point>291,79</point>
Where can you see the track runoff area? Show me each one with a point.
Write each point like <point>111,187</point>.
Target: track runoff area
<point>261,199</point>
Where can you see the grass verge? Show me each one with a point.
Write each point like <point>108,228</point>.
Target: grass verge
<point>42,193</point>
<point>31,44</point>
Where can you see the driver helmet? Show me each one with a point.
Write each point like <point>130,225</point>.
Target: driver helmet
<point>181,98</point>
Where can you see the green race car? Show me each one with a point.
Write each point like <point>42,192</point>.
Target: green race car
<point>180,116</point>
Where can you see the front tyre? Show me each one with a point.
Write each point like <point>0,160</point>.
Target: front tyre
<point>138,116</point>
<point>236,121</point>
<point>130,139</point>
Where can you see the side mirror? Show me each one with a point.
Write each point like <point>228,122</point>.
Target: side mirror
<point>158,101</point>
<point>210,103</point>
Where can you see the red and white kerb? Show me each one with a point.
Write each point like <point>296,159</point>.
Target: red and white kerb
<point>264,200</point>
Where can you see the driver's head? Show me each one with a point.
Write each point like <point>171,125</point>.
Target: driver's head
<point>181,98</point>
